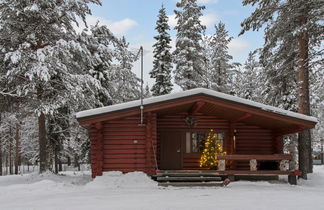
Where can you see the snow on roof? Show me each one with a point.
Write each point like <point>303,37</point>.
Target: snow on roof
<point>196,91</point>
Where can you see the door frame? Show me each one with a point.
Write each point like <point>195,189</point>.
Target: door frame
<point>162,145</point>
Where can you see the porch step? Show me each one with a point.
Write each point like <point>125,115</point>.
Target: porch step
<point>191,184</point>
<point>188,178</point>
<point>182,174</point>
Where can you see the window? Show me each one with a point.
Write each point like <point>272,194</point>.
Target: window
<point>195,141</point>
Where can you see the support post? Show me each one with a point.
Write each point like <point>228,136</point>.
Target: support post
<point>292,179</point>
<point>231,147</point>
<point>284,165</point>
<point>253,165</point>
<point>148,145</point>
<point>221,165</point>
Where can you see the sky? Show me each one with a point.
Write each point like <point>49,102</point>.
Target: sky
<point>136,20</point>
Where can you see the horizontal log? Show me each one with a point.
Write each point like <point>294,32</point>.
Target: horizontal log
<point>124,161</point>
<point>254,151</point>
<point>124,170</point>
<point>186,166</point>
<point>124,156</point>
<point>123,121</point>
<point>117,166</point>
<point>257,157</point>
<point>123,151</point>
<point>254,138</point>
<point>123,137</point>
<point>247,172</point>
<point>119,129</point>
<point>124,147</point>
<point>133,126</point>
<point>251,145</point>
<point>192,155</point>
<point>128,140</point>
<point>125,132</point>
<point>191,160</point>
<point>195,163</point>
<point>254,141</point>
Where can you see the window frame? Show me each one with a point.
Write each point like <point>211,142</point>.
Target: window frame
<point>189,147</point>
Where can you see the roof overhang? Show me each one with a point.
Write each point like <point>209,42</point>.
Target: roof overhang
<point>208,102</point>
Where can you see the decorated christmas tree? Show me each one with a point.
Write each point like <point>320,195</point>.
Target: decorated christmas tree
<point>212,148</point>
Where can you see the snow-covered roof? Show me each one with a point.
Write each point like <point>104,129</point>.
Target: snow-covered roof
<point>187,93</point>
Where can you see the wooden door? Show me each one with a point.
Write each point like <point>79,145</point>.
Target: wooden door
<point>171,153</point>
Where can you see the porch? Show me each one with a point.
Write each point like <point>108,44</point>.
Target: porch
<point>207,177</point>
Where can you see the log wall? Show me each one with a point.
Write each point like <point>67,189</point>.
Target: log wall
<point>253,140</point>
<point>126,145</point>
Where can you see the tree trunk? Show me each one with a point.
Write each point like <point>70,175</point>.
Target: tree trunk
<point>17,150</point>
<point>68,161</point>
<point>60,167</point>
<point>7,164</point>
<point>76,162</point>
<point>304,138</point>
<point>10,152</point>
<point>0,157</point>
<point>56,168</point>
<point>42,143</point>
<point>0,151</point>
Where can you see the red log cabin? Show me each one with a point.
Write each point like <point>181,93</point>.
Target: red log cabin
<point>171,132</point>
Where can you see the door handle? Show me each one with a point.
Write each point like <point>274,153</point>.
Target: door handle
<point>178,150</point>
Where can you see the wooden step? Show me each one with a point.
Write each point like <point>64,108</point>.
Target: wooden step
<point>191,184</point>
<point>188,178</point>
<point>188,171</point>
<point>183,174</point>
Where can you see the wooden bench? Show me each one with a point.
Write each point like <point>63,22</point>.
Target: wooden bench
<point>253,159</point>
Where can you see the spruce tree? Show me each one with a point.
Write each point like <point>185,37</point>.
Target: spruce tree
<point>125,85</point>
<point>317,105</point>
<point>250,84</point>
<point>220,59</point>
<point>293,33</point>
<point>42,57</point>
<point>188,55</point>
<point>100,43</point>
<point>162,64</point>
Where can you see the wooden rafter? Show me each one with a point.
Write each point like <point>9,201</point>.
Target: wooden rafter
<point>196,107</point>
<point>295,129</point>
<point>243,117</point>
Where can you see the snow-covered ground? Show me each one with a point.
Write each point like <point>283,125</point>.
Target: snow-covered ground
<point>76,191</point>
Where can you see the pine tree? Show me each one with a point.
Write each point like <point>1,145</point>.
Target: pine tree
<point>125,83</point>
<point>100,43</point>
<point>317,105</point>
<point>212,148</point>
<point>293,31</point>
<point>220,59</point>
<point>249,86</point>
<point>162,64</point>
<point>42,57</point>
<point>188,55</point>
